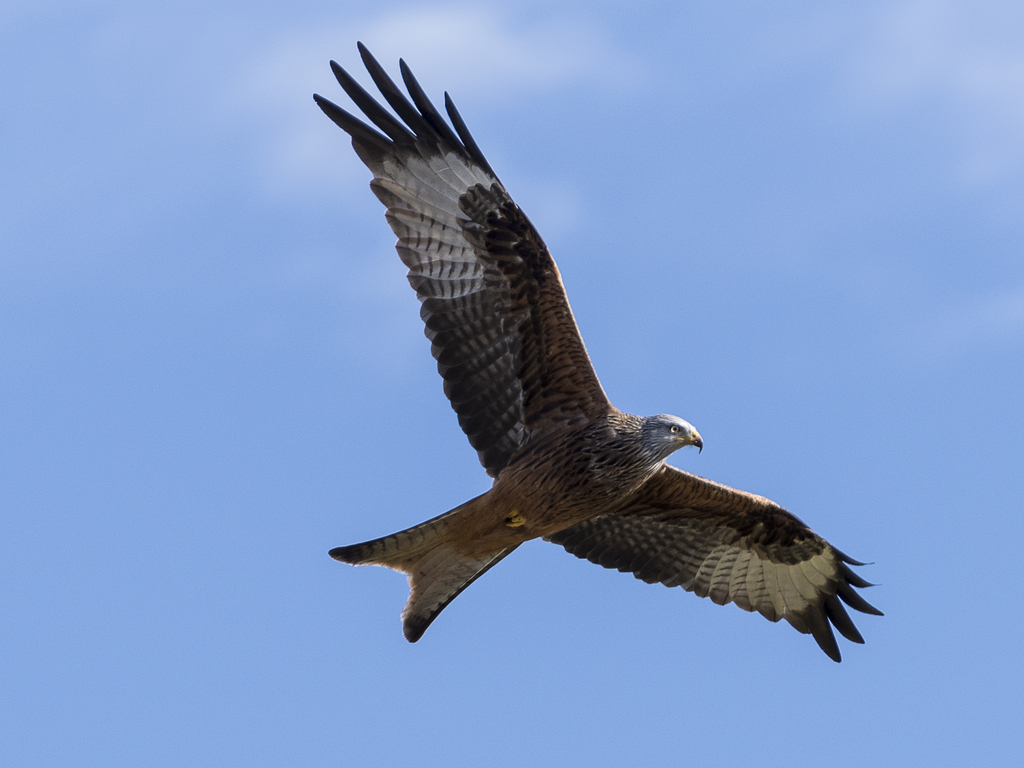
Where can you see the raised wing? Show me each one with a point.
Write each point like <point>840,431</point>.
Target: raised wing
<point>493,303</point>
<point>684,531</point>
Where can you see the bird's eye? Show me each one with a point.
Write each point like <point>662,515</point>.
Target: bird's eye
<point>674,428</point>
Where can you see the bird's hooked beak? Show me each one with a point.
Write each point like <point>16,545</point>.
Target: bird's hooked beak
<point>693,438</point>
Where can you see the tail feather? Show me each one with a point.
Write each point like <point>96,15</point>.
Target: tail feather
<point>399,551</point>
<point>437,579</point>
<point>437,573</point>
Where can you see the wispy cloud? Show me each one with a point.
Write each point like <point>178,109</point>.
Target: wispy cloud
<point>475,53</point>
<point>486,51</point>
<point>967,57</point>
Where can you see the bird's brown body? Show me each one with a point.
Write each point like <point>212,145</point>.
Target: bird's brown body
<point>567,465</point>
<point>553,483</point>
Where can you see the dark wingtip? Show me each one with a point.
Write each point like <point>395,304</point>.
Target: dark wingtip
<point>368,59</point>
<point>829,645</point>
<point>467,138</point>
<point>821,630</point>
<point>413,628</point>
<point>841,619</point>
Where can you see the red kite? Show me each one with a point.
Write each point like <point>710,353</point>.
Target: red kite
<point>568,466</point>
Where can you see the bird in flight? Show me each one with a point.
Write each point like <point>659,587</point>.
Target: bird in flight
<point>567,465</point>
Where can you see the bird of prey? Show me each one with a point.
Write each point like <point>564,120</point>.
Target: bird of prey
<point>567,465</point>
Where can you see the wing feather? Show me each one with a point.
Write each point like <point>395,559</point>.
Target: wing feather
<point>731,546</point>
<point>493,303</point>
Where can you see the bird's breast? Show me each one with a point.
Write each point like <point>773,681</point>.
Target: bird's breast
<point>559,484</point>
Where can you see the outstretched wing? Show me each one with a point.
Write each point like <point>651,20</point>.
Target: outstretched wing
<point>505,340</point>
<point>718,542</point>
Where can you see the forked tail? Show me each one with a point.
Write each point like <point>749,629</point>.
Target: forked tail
<point>437,573</point>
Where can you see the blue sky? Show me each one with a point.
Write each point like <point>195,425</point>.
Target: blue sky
<point>796,226</point>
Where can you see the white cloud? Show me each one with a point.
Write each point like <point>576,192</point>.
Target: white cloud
<point>969,57</point>
<point>473,53</point>
<point>486,52</point>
